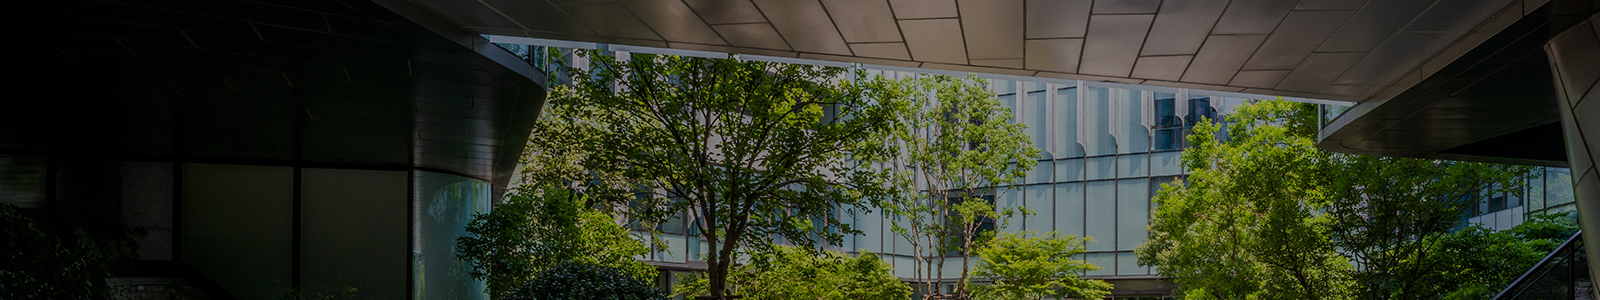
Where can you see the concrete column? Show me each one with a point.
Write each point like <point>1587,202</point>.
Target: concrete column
<point>1575,61</point>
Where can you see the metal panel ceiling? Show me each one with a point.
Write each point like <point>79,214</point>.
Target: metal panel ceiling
<point>347,84</point>
<point>1219,37</point>
<point>1495,102</point>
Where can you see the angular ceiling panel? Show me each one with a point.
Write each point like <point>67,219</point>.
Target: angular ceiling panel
<point>993,28</point>
<point>1113,43</point>
<point>1057,18</point>
<point>923,9</point>
<point>805,25</point>
<point>724,11</point>
<point>881,50</point>
<point>754,35</point>
<point>611,19</point>
<point>1059,55</point>
<point>1252,16</point>
<point>1301,33</point>
<point>931,40</point>
<point>1260,46</point>
<point>1181,26</point>
<point>674,21</point>
<point>863,21</point>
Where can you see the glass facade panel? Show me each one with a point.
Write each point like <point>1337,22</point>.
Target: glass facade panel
<point>1010,102</point>
<point>1097,168</point>
<point>872,232</point>
<point>237,227</point>
<point>1168,125</point>
<point>1066,124</point>
<point>1012,197</point>
<point>1069,208</point>
<point>1069,170</point>
<point>1557,187</point>
<point>1133,212</point>
<point>1002,86</point>
<point>444,204</point>
<point>1166,163</point>
<point>1100,214</point>
<point>1133,165</point>
<point>1041,200</point>
<point>1107,261</point>
<point>1097,122</point>
<point>1132,135</point>
<point>1128,264</point>
<point>899,246</point>
<point>1042,172</point>
<point>1536,190</point>
<point>1038,116</point>
<point>336,249</point>
<point>677,246</point>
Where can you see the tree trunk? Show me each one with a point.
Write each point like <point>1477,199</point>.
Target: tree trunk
<point>719,278</point>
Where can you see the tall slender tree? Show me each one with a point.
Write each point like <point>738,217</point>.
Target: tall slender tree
<point>959,143</point>
<point>753,150</point>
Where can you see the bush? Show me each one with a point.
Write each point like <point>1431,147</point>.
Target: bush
<point>785,272</point>
<point>577,281</point>
<point>41,258</point>
<point>536,229</point>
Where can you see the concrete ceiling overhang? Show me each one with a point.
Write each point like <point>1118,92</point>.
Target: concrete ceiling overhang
<point>1345,50</point>
<point>345,84</point>
<point>1495,103</point>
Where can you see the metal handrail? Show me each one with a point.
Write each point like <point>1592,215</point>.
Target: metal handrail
<point>1547,257</point>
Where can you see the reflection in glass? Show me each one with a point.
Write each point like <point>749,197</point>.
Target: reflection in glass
<point>443,206</point>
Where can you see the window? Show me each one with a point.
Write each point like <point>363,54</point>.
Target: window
<point>1168,126</point>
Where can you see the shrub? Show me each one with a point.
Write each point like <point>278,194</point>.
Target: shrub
<point>579,281</point>
<point>785,272</point>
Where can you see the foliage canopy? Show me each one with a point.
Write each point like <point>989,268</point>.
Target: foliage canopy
<point>785,272</point>
<point>583,281</point>
<point>751,149</point>
<point>1268,215</point>
<point>1031,266</point>
<point>534,230</point>
<point>959,141</point>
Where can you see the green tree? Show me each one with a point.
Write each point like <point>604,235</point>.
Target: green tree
<point>1268,215</point>
<point>750,149</point>
<point>785,272</point>
<point>1030,266</point>
<point>956,138</point>
<point>536,229</point>
<point>583,281</point>
<point>44,257</point>
<point>1476,263</point>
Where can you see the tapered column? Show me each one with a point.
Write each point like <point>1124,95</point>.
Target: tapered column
<point>1575,62</point>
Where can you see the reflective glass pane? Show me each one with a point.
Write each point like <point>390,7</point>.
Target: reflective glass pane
<point>1041,199</point>
<point>1107,261</point>
<point>1097,122</point>
<point>1128,264</point>
<point>1042,172</point>
<point>1066,124</point>
<point>1133,165</point>
<point>1069,170</point>
<point>1133,212</point>
<point>1166,163</point>
<point>1103,167</point>
<point>1069,208</point>
<point>444,205</point>
<point>1100,212</point>
<point>1038,121</point>
<point>1132,135</point>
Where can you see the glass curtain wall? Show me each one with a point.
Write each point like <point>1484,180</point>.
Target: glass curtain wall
<point>443,205</point>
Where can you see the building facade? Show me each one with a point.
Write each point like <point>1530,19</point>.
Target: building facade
<point>1106,149</point>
